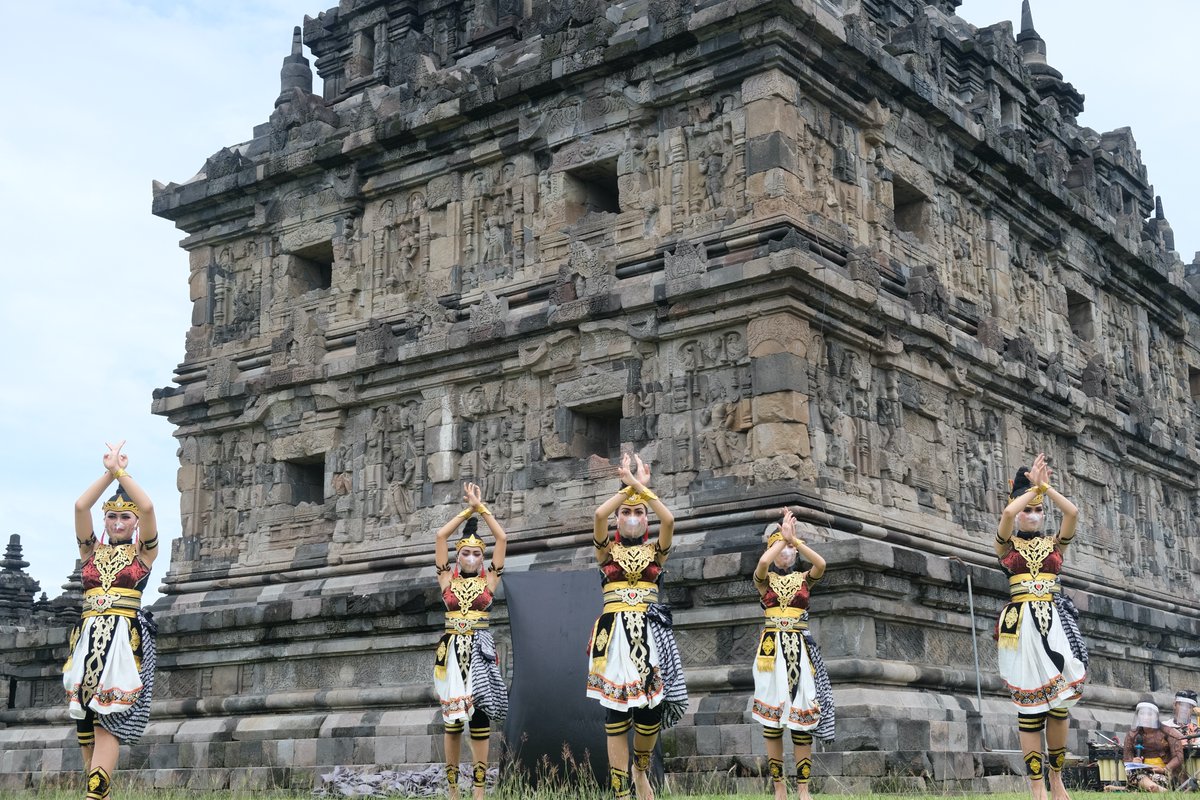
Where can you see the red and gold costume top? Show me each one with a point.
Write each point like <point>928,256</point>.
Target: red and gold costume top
<point>113,580</point>
<point>115,566</point>
<point>634,564</point>
<point>1034,556</point>
<point>467,593</point>
<point>790,590</point>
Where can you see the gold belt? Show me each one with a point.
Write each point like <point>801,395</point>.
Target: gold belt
<point>112,602</point>
<point>785,618</point>
<point>629,596</point>
<point>466,621</point>
<point>1025,588</point>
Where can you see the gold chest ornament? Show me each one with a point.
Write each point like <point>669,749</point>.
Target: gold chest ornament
<point>785,587</point>
<point>1035,551</point>
<point>633,560</point>
<point>110,560</point>
<point>467,590</point>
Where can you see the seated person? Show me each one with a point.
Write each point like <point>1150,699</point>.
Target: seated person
<point>1161,749</point>
<point>1185,713</point>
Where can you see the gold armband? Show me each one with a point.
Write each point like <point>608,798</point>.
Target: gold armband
<point>465,513</point>
<point>600,544</point>
<point>150,544</point>
<point>773,538</point>
<point>484,510</point>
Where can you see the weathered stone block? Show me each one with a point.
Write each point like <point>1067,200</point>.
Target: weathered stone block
<point>779,437</point>
<point>780,407</point>
<point>779,372</point>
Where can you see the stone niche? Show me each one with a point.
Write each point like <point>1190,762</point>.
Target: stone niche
<point>774,248</point>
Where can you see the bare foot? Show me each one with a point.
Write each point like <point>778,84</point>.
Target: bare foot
<point>641,783</point>
<point>1037,789</point>
<point>802,792</point>
<point>1058,790</point>
<point>477,793</point>
<point>780,790</point>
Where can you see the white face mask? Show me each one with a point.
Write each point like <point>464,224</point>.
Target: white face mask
<point>631,526</point>
<point>469,562</point>
<point>786,558</point>
<point>1032,521</point>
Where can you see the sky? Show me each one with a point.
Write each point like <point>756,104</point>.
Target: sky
<point>106,96</point>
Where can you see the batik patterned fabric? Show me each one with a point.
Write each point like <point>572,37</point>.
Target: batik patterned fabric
<point>791,685</point>
<point>111,666</point>
<point>1041,653</point>
<point>466,673</point>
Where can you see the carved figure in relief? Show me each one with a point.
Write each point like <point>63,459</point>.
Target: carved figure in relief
<point>1042,657</point>
<point>635,670</point>
<point>791,685</point>
<point>466,675</point>
<point>109,674</point>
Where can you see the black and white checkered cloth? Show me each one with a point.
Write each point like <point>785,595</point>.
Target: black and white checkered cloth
<point>128,726</point>
<point>488,691</point>
<point>824,730</point>
<point>675,696</point>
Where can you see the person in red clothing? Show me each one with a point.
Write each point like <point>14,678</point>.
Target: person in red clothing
<point>791,686</point>
<point>1042,657</point>
<point>466,673</point>
<point>109,676</point>
<point>635,670</point>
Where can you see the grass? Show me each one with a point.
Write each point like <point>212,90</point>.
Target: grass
<point>505,793</point>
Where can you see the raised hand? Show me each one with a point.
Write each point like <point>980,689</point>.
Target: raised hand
<point>472,496</point>
<point>788,527</point>
<point>1039,473</point>
<point>623,471</point>
<point>643,471</point>
<point>114,459</point>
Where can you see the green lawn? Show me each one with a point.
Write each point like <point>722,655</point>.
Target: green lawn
<point>183,794</point>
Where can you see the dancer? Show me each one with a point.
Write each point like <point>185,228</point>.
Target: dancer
<point>635,669</point>
<point>1159,748</point>
<point>466,674</point>
<point>109,675</point>
<point>791,685</point>
<point>1042,657</point>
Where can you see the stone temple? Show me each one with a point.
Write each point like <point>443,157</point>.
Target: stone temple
<point>856,256</point>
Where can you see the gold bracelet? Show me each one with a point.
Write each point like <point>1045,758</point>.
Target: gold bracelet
<point>465,513</point>
<point>627,491</point>
<point>1043,487</point>
<point>484,510</point>
<point>120,473</point>
<point>773,538</point>
<point>649,495</point>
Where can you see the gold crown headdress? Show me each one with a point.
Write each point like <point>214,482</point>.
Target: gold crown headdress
<point>470,540</point>
<point>121,502</point>
<point>633,498</point>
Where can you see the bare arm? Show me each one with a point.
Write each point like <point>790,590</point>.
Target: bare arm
<point>441,548</point>
<point>600,539</point>
<point>639,482</point>
<point>475,502</point>
<point>84,534</point>
<point>1070,517</point>
<point>764,565</point>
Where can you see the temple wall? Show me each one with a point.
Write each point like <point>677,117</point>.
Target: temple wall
<point>844,257</point>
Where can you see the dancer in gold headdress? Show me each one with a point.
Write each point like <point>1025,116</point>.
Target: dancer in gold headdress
<point>109,676</point>
<point>635,670</point>
<point>1042,656</point>
<point>466,674</point>
<point>791,686</point>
